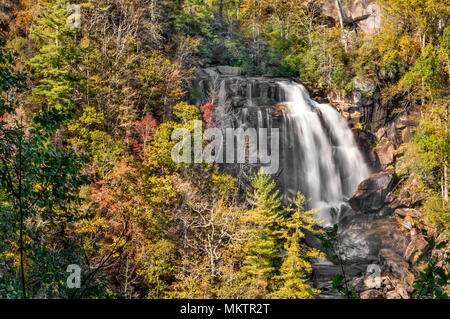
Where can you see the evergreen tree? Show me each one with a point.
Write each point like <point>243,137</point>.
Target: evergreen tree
<point>295,268</point>
<point>54,66</point>
<point>262,251</point>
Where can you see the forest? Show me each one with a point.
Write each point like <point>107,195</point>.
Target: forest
<point>91,91</point>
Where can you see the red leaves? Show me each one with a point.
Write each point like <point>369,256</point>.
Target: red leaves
<point>144,133</point>
<point>208,116</point>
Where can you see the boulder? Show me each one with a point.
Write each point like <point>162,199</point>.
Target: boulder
<point>371,294</point>
<point>410,195</point>
<point>370,195</point>
<point>380,133</point>
<point>211,72</point>
<point>372,282</point>
<point>417,248</point>
<point>364,85</point>
<point>396,265</point>
<point>358,284</point>
<point>393,295</point>
<point>228,70</point>
<point>402,291</point>
<point>405,212</point>
<point>385,151</point>
<point>407,224</point>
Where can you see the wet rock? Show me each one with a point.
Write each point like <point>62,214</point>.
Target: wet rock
<point>365,141</point>
<point>371,194</point>
<point>371,294</point>
<point>362,236</point>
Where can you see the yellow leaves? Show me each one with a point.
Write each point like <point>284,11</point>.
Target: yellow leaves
<point>409,48</point>
<point>226,184</point>
<point>39,188</point>
<point>187,113</point>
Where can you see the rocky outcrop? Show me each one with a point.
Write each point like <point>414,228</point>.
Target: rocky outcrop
<point>385,150</point>
<point>371,194</point>
<point>354,9</point>
<point>410,194</point>
<point>395,265</point>
<point>405,212</point>
<point>371,294</point>
<point>417,248</point>
<point>225,84</point>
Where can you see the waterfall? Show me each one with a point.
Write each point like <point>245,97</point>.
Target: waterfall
<point>322,159</point>
<point>260,119</point>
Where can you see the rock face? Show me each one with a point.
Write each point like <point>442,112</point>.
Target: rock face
<point>354,9</point>
<point>370,196</point>
<point>396,265</point>
<point>385,151</point>
<point>410,194</point>
<point>417,248</point>
<point>224,84</point>
<point>404,212</point>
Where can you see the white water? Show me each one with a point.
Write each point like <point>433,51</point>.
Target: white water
<point>322,158</point>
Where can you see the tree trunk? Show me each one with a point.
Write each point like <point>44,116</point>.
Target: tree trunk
<point>21,213</point>
<point>340,13</point>
<point>445,188</point>
<point>341,22</point>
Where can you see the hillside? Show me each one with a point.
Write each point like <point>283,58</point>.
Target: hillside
<point>119,178</point>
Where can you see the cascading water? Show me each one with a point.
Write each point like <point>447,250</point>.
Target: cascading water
<point>321,156</point>
<point>319,153</point>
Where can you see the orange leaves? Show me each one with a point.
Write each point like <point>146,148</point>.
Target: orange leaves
<point>144,133</point>
<point>115,193</point>
<point>208,116</point>
<point>24,17</point>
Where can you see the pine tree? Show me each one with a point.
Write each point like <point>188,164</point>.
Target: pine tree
<point>58,54</point>
<point>293,272</point>
<point>262,250</point>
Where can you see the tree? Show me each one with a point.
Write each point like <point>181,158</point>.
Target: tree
<point>41,181</point>
<point>291,282</point>
<point>54,66</point>
<point>428,80</point>
<point>263,249</point>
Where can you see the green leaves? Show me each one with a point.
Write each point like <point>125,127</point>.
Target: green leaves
<point>40,180</point>
<point>433,281</point>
